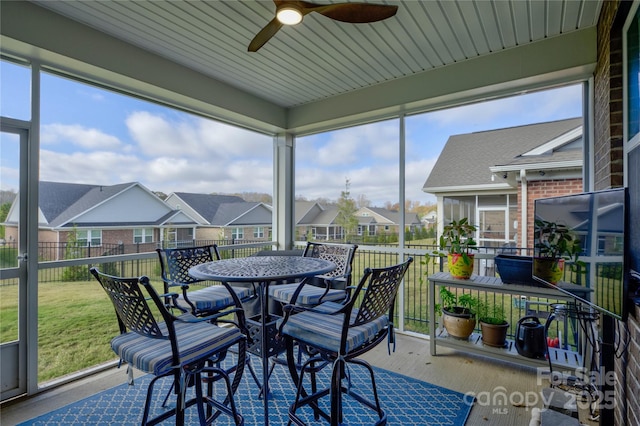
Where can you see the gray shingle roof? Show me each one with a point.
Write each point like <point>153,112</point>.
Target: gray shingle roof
<point>327,216</point>
<point>61,202</point>
<point>305,211</point>
<point>227,212</point>
<point>207,205</point>
<point>465,159</point>
<point>394,215</point>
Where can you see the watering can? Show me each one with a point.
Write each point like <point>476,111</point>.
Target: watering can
<point>531,338</point>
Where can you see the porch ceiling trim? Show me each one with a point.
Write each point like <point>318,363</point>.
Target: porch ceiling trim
<point>472,189</point>
<point>572,164</point>
<point>47,36</point>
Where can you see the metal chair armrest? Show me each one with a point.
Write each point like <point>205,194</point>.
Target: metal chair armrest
<point>210,318</point>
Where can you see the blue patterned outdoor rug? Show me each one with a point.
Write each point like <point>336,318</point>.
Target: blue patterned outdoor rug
<point>406,401</point>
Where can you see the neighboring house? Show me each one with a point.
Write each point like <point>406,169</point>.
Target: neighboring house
<point>317,221</point>
<point>430,219</point>
<point>224,216</point>
<point>492,177</point>
<point>320,221</point>
<point>102,216</point>
<point>379,221</point>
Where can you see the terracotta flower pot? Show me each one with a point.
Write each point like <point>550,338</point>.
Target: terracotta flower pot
<point>458,322</point>
<point>494,334</point>
<point>459,267</point>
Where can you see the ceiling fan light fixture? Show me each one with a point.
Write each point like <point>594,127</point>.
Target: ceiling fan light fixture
<point>291,12</point>
<point>289,15</point>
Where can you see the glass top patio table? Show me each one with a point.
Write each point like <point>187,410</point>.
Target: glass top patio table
<point>264,270</point>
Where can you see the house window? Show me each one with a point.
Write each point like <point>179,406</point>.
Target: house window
<point>360,229</point>
<point>89,236</point>
<point>258,232</point>
<point>458,208</point>
<point>144,235</point>
<point>237,234</point>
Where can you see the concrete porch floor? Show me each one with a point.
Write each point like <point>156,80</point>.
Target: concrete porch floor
<point>451,369</point>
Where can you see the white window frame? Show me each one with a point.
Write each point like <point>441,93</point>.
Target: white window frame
<point>237,234</point>
<point>89,236</point>
<point>258,232</point>
<point>145,236</point>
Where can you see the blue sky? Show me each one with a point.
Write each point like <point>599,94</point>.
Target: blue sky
<point>91,135</point>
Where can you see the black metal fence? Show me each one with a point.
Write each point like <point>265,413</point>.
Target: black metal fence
<point>414,315</point>
<point>52,252</point>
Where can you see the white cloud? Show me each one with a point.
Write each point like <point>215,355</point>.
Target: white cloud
<point>194,137</point>
<point>349,146</point>
<point>157,137</point>
<point>78,135</point>
<point>416,173</point>
<point>98,167</point>
<point>9,178</point>
<point>229,141</point>
<point>379,184</point>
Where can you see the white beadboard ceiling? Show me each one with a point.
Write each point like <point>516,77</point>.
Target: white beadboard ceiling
<point>321,58</point>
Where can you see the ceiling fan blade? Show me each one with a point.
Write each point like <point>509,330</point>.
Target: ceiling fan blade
<point>264,35</point>
<point>355,13</point>
<point>345,12</point>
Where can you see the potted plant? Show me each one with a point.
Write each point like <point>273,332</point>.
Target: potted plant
<point>457,239</point>
<point>555,243</point>
<point>493,323</point>
<point>458,313</point>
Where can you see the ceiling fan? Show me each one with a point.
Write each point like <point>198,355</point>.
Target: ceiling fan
<point>291,12</point>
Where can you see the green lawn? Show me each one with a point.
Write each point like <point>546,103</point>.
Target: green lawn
<point>76,322</point>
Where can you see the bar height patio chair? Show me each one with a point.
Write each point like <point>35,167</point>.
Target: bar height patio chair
<point>215,301</point>
<point>337,334</point>
<point>333,286</point>
<point>330,287</point>
<point>175,264</point>
<point>189,348</point>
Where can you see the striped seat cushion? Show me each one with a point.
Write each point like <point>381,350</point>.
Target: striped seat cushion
<point>309,296</point>
<point>324,331</point>
<point>196,341</point>
<point>213,298</point>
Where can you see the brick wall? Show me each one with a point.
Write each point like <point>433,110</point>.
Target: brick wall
<point>628,375</point>
<point>545,189</point>
<point>608,149</point>
<point>608,154</point>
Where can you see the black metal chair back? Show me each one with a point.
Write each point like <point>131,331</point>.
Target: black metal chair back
<point>340,254</point>
<point>379,294</point>
<point>132,306</point>
<point>214,297</point>
<point>175,263</point>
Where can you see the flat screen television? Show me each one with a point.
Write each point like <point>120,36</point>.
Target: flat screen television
<point>599,219</point>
